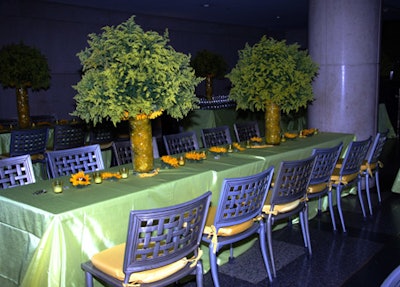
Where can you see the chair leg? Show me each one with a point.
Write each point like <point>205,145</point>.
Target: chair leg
<point>88,279</point>
<point>199,274</point>
<point>360,197</point>
<point>213,264</point>
<point>368,193</point>
<point>330,202</point>
<point>339,205</point>
<point>378,188</point>
<point>304,228</point>
<point>264,251</point>
<point>269,240</point>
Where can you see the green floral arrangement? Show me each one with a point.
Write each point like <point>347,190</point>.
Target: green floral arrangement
<point>131,73</point>
<point>207,63</point>
<point>272,71</point>
<point>23,66</point>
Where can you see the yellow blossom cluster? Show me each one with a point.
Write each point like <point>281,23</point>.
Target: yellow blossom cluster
<point>170,160</point>
<point>193,155</point>
<point>150,116</point>
<point>80,178</point>
<point>107,175</point>
<point>255,139</point>
<point>238,147</point>
<point>216,149</point>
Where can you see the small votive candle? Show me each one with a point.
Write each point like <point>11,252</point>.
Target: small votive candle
<point>181,161</point>
<point>124,172</point>
<point>97,177</point>
<point>230,149</point>
<point>248,144</point>
<point>57,186</point>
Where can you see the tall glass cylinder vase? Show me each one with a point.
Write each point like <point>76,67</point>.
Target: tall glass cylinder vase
<point>24,119</point>
<point>272,124</point>
<point>142,147</point>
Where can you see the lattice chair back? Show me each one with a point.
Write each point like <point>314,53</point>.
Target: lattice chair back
<point>29,141</point>
<point>216,136</point>
<point>181,142</point>
<point>377,147</point>
<point>167,238</point>
<point>69,136</point>
<point>70,161</point>
<point>103,134</point>
<point>16,171</point>
<point>355,155</point>
<point>237,216</point>
<point>122,151</point>
<point>246,130</point>
<point>325,162</point>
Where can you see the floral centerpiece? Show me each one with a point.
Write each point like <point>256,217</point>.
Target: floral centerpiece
<point>169,161</point>
<point>195,156</point>
<point>272,76</point>
<point>111,175</point>
<point>23,67</point>
<point>130,74</point>
<point>80,179</point>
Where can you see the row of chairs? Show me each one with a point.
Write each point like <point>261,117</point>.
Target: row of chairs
<point>216,136</point>
<point>162,245</point>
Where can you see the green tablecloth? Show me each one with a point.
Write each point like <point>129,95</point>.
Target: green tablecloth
<point>45,238</point>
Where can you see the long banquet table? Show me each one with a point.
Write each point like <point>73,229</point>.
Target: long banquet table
<point>45,238</point>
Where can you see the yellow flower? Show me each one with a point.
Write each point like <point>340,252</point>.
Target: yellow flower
<point>193,155</point>
<point>155,114</point>
<point>255,139</point>
<point>141,116</point>
<point>215,149</point>
<point>80,178</point>
<point>170,160</point>
<point>238,146</point>
<point>106,175</point>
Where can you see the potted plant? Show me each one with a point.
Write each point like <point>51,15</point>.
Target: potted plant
<point>209,65</point>
<point>23,67</point>
<point>130,74</point>
<point>272,76</point>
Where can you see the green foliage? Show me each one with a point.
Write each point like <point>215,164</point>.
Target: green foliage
<point>127,70</point>
<point>272,71</point>
<point>208,63</point>
<point>23,66</point>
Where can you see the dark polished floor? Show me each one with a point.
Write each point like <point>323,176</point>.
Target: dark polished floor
<point>364,256</point>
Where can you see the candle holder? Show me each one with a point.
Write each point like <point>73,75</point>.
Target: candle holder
<point>97,178</point>
<point>124,172</point>
<point>57,186</point>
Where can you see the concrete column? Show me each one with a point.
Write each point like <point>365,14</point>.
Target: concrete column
<point>344,39</point>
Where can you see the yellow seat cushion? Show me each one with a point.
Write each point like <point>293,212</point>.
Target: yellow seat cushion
<point>110,261</point>
<point>281,208</point>
<point>315,188</point>
<point>335,178</point>
<point>228,230</point>
<point>365,166</point>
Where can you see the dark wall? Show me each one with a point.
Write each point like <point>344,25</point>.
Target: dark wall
<point>60,32</point>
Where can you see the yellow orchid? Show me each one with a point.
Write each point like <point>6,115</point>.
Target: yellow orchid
<point>80,178</point>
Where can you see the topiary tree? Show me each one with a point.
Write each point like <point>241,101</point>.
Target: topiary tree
<point>130,74</point>
<point>209,65</point>
<point>23,67</point>
<point>272,76</point>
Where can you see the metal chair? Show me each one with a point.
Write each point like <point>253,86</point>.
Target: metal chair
<point>103,134</point>
<point>347,173</point>
<point>370,167</point>
<point>68,136</point>
<point>122,151</point>
<point>288,198</point>
<point>393,279</point>
<point>70,161</point>
<point>29,141</point>
<point>216,136</point>
<point>245,131</point>
<point>181,142</point>
<point>325,162</point>
<point>16,171</point>
<point>238,216</point>
<point>162,247</point>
